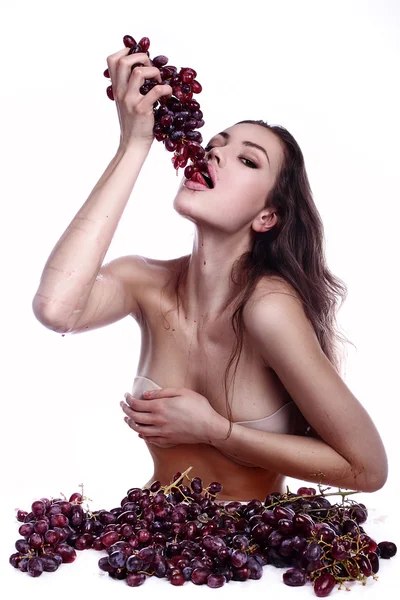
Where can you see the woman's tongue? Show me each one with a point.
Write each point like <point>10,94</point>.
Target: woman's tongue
<point>198,177</point>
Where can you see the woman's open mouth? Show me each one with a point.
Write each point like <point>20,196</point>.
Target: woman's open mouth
<point>200,180</point>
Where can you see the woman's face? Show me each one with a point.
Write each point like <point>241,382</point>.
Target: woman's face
<point>244,175</point>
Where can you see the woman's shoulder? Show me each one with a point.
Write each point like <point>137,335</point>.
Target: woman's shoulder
<point>272,284</point>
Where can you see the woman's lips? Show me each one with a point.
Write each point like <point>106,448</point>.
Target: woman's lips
<point>195,185</point>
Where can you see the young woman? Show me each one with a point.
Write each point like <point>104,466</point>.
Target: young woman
<point>238,337</point>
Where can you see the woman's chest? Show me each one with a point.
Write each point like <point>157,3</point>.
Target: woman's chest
<point>203,357</point>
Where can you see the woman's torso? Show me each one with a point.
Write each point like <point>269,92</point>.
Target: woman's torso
<point>176,353</point>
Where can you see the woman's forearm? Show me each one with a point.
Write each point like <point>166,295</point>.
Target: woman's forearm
<point>73,265</point>
<point>300,457</point>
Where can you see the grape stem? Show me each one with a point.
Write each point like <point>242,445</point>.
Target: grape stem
<point>174,483</point>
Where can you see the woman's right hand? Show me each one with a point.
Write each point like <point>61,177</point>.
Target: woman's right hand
<point>135,111</point>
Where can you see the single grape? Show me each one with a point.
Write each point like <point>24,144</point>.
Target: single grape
<point>49,563</point>
<point>216,580</point>
<point>196,87</point>
<point>21,515</point>
<point>294,577</point>
<point>129,41</point>
<point>134,563</point>
<point>23,564</point>
<point>38,508</point>
<point>35,540</point>
<point>314,551</point>
<point>67,553</point>
<point>200,575</point>
<point>387,549</point>
<point>256,570</point>
<point>35,567</point>
<point>238,558</point>
<point>374,561</point>
<point>104,565</point>
<point>117,559</point>
<point>76,498</point>
<point>135,579</point>
<point>15,559</point>
<point>324,584</point>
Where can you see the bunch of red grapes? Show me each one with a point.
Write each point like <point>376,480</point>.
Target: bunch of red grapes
<point>184,534</point>
<point>177,118</point>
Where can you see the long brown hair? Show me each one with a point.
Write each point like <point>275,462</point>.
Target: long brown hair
<point>294,249</point>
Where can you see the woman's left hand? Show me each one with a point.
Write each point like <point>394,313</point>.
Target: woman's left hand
<point>173,416</point>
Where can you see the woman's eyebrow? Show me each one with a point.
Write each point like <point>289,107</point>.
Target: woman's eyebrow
<point>227,137</point>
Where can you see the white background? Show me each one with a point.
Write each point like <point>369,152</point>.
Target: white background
<point>328,72</point>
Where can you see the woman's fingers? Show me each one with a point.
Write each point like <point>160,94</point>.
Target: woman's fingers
<point>138,417</point>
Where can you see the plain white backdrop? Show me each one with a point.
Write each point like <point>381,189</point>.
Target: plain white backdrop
<point>328,72</point>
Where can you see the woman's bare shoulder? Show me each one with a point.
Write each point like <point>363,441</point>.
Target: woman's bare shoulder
<point>271,284</point>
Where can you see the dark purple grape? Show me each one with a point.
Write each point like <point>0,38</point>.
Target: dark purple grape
<point>324,584</point>
<point>196,87</point>
<point>274,539</point>
<point>238,558</point>
<point>55,509</point>
<point>38,508</point>
<point>283,512</point>
<point>256,570</point>
<point>285,526</point>
<point>170,145</point>
<point>129,41</point>
<point>298,542</point>
<point>387,549</point>
<point>314,551</point>
<point>84,541</point>
<point>76,498</point>
<point>35,540</point>
<point>144,44</point>
<point>350,526</point>
<point>241,574</point>
<point>277,560</point>
<point>189,125</point>
<point>26,529</point>
<point>49,563</point>
<point>197,114</point>
<point>200,575</point>
<point>134,563</point>
<point>35,566</point>
<point>59,520</point>
<point>135,579</point>
<point>216,580</point>
<point>339,550</point>
<point>67,553</point>
<point>117,559</point>
<point>159,61</point>
<point>175,136</point>
<point>374,561</point>
<point>21,515</point>
<point>364,564</point>
<point>159,566</point>
<point>286,548</point>
<point>23,564</point>
<point>194,136</point>
<point>15,559</point>
<point>23,546</point>
<point>294,577</point>
<point>104,565</point>
<point>41,526</point>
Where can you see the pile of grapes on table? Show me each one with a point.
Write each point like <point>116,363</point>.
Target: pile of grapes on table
<point>177,118</point>
<point>183,533</point>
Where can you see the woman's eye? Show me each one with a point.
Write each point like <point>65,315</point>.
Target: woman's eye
<point>253,165</point>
